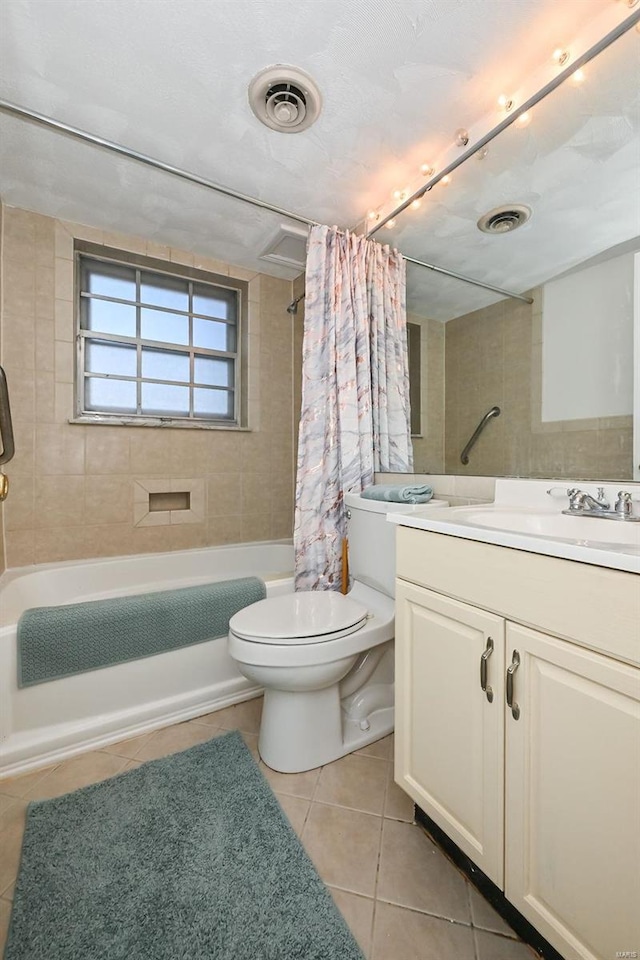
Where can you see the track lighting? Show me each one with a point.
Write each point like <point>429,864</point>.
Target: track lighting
<point>505,102</point>
<point>560,56</point>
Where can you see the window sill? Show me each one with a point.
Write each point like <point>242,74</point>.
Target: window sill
<point>162,422</point>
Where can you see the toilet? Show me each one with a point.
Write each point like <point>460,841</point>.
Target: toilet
<point>326,660</point>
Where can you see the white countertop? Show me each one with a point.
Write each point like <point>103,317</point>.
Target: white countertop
<point>526,503</point>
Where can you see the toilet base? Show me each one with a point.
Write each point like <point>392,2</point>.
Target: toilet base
<point>302,731</point>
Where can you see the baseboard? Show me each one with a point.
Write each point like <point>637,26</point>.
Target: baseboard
<point>525,930</point>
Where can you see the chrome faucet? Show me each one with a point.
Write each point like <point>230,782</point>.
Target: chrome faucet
<point>581,502</point>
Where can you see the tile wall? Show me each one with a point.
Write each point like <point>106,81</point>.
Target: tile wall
<point>494,356</point>
<point>72,486</point>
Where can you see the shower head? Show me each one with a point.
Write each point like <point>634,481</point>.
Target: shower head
<point>293,306</point>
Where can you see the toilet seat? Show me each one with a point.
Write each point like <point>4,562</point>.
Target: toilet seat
<point>299,618</point>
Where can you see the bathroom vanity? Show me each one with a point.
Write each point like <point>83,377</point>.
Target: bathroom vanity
<point>518,711</point>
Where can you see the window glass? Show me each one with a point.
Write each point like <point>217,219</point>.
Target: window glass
<point>214,301</point>
<point>163,291</point>
<point>105,316</point>
<point>213,403</point>
<point>110,396</point>
<point>163,399</point>
<point>216,373</point>
<point>213,336</point>
<point>106,357</point>
<point>164,365</point>
<point>163,326</point>
<point>110,280</point>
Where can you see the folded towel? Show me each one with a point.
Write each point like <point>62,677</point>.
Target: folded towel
<point>416,493</point>
<point>56,642</point>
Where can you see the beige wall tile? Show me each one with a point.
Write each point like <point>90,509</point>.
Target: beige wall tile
<point>59,451</point>
<point>224,494</point>
<point>20,548</point>
<point>19,506</point>
<point>45,397</point>
<point>108,500</point>
<point>107,450</point>
<point>59,501</point>
<point>63,319</point>
<point>64,279</point>
<point>18,343</point>
<point>19,288</point>
<point>60,543</point>
<point>63,402</point>
<point>109,540</point>
<point>222,530</point>
<point>74,483</point>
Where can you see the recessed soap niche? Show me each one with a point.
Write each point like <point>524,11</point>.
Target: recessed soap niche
<point>162,501</point>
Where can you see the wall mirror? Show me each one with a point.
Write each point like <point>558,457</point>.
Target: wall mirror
<point>562,369</point>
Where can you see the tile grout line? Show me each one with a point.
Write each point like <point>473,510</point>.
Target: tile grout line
<point>375,888</point>
<point>473,926</point>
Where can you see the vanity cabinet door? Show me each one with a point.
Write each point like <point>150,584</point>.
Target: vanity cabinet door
<point>449,736</point>
<point>573,797</point>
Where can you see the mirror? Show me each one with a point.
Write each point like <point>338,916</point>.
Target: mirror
<point>560,369</point>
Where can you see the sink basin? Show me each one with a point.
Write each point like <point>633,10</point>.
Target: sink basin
<point>549,525</point>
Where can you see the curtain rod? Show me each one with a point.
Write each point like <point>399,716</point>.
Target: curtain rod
<point>543,92</point>
<point>24,113</point>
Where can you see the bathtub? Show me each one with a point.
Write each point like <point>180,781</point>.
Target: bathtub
<point>51,721</point>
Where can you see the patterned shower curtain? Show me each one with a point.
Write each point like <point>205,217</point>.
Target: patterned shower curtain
<point>355,417</point>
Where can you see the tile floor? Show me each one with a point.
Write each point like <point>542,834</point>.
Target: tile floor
<point>401,896</point>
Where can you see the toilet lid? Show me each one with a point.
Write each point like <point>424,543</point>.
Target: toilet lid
<point>307,617</point>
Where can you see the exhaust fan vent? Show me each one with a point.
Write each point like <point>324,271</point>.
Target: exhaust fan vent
<point>285,98</point>
<point>504,219</point>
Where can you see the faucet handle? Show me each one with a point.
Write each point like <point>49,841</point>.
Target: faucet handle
<point>623,504</point>
<point>560,491</point>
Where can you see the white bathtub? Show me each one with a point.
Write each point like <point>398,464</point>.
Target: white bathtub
<point>51,721</point>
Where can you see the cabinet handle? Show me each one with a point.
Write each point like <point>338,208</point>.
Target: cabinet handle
<point>515,663</point>
<point>483,669</point>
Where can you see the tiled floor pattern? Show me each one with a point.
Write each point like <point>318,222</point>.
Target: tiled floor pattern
<point>401,896</point>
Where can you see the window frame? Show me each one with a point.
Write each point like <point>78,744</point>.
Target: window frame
<point>108,255</point>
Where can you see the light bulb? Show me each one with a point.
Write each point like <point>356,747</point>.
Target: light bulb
<point>505,102</point>
<point>483,153</point>
<point>446,180</point>
<point>399,195</point>
<point>632,3</point>
<point>560,56</point>
<point>373,215</point>
<point>578,76</point>
<point>415,204</point>
<point>426,170</point>
<point>524,119</point>
<point>390,223</point>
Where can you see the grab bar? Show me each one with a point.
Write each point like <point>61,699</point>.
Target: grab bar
<point>494,412</point>
<point>6,426</point>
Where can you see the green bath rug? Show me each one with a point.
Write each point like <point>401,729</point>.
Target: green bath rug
<point>185,858</point>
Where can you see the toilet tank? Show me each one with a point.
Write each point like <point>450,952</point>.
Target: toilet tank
<point>372,540</point>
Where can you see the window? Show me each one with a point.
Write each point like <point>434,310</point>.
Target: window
<point>154,346</point>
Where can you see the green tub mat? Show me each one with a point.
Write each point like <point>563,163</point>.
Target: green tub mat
<point>55,642</point>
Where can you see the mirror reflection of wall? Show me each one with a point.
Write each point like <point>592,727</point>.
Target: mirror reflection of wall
<point>562,368</point>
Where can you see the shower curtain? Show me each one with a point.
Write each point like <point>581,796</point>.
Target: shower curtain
<point>355,417</point>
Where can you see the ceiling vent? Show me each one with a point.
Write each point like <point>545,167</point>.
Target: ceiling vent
<point>504,219</point>
<point>288,248</point>
<point>285,98</point>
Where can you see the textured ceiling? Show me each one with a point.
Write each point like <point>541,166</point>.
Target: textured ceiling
<point>170,79</point>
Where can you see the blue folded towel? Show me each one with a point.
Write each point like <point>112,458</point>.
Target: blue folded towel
<point>416,493</point>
